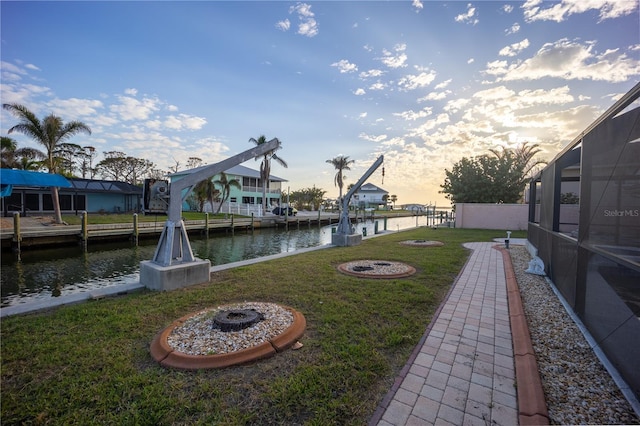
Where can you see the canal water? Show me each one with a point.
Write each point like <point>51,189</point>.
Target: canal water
<point>42,274</point>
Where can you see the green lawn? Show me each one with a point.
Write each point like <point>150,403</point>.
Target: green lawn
<point>101,219</point>
<point>90,364</point>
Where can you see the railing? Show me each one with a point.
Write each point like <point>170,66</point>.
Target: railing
<point>259,189</point>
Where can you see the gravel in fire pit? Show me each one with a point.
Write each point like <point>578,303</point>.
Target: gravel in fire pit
<point>377,269</point>
<point>198,335</point>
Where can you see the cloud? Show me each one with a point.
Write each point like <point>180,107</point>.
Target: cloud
<point>412,115</point>
<point>417,4</point>
<point>131,92</point>
<point>210,149</point>
<point>423,129</point>
<point>501,97</point>
<point>435,96</point>
<point>24,94</point>
<point>513,29</point>
<point>469,17</point>
<point>443,84</point>
<point>412,82</point>
<point>184,121</point>
<point>378,86</point>
<point>371,73</point>
<point>397,59</point>
<point>514,49</point>
<point>74,108</point>
<point>283,25</point>
<point>507,8</point>
<point>359,92</point>
<point>133,109</point>
<point>558,12</point>
<point>372,138</point>
<point>307,25</point>
<point>345,66</point>
<point>455,105</point>
<point>568,60</point>
<point>11,71</point>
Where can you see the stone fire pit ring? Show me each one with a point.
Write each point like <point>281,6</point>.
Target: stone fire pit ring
<point>422,243</point>
<point>377,269</point>
<point>197,341</point>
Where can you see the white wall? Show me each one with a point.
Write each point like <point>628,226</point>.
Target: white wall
<point>512,217</point>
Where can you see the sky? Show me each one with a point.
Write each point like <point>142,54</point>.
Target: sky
<point>424,83</point>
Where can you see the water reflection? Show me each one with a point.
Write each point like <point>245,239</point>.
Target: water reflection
<point>41,274</point>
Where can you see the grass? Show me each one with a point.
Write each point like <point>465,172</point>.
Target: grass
<point>90,364</point>
<point>105,219</point>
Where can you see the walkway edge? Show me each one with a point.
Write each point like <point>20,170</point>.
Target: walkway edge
<point>532,407</point>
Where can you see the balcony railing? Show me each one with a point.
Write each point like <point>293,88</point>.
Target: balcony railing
<point>259,189</point>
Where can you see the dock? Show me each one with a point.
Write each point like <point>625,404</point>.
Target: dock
<point>30,235</point>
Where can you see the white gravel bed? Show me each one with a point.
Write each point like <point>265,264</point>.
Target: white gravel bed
<point>577,387</point>
<point>198,336</point>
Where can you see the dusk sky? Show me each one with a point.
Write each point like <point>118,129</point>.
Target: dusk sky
<point>423,82</point>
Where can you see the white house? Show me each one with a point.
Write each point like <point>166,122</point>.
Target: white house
<point>369,195</point>
<point>248,198</point>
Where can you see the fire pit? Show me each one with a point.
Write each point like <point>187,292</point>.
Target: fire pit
<point>377,269</point>
<point>228,335</point>
<point>422,243</point>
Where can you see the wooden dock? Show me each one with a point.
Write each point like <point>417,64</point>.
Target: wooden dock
<point>45,235</point>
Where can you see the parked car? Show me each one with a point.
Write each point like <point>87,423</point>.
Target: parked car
<point>281,211</point>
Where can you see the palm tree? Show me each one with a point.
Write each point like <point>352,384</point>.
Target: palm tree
<point>519,162</point>
<point>524,155</point>
<point>205,190</point>
<point>341,163</point>
<point>226,184</point>
<point>265,166</point>
<point>393,199</point>
<point>8,149</point>
<point>29,158</point>
<point>50,132</point>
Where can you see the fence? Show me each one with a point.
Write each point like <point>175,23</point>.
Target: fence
<point>492,216</point>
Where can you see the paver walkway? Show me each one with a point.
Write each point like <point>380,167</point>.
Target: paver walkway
<point>462,372</point>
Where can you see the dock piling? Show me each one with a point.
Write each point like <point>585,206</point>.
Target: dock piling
<point>136,232</point>
<point>85,230</point>
<point>17,236</point>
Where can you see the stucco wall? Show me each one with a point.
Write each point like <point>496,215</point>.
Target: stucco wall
<point>513,217</point>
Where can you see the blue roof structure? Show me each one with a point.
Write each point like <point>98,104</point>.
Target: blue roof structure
<point>12,177</point>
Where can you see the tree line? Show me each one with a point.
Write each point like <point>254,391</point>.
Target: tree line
<point>73,160</point>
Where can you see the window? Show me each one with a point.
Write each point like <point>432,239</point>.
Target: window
<point>32,202</point>
<point>14,202</point>
<point>47,202</point>
<point>81,202</point>
<point>65,202</point>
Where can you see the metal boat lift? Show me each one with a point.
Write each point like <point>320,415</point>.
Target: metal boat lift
<point>174,265</point>
<point>345,234</point>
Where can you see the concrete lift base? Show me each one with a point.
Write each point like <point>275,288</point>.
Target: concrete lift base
<point>345,240</point>
<point>163,278</point>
